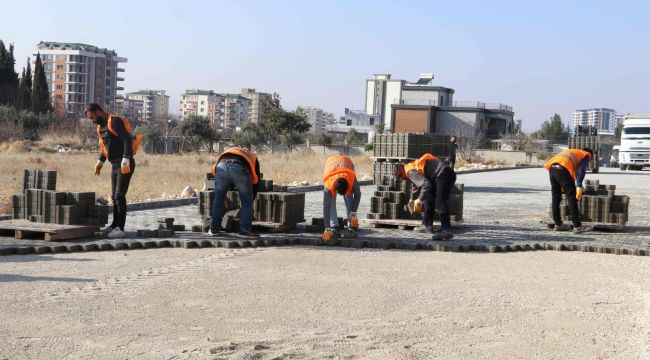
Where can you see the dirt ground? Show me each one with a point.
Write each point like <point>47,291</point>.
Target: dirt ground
<point>288,303</point>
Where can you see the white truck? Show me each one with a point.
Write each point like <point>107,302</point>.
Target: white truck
<point>634,152</point>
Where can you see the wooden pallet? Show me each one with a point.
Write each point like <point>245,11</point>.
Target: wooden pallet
<point>400,224</point>
<point>23,229</point>
<point>391,159</point>
<point>604,227</point>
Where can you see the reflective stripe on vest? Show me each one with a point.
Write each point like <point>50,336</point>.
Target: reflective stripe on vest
<point>135,143</point>
<point>569,159</point>
<point>419,164</point>
<point>337,167</point>
<point>247,155</point>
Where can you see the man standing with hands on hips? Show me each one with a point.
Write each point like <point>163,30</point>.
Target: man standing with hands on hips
<point>118,146</point>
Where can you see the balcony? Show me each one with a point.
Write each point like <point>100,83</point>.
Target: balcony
<point>119,88</point>
<point>119,79</point>
<point>120,69</point>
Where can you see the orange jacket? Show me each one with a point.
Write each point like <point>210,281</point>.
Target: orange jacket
<point>248,155</point>
<point>569,159</point>
<point>419,164</point>
<point>127,125</point>
<point>338,167</point>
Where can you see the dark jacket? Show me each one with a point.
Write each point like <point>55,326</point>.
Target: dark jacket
<point>424,184</point>
<point>119,146</point>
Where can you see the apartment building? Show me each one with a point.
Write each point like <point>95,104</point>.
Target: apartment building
<point>227,111</point>
<point>130,109</point>
<point>259,101</point>
<point>155,104</point>
<point>78,74</point>
<point>603,119</point>
<point>318,118</point>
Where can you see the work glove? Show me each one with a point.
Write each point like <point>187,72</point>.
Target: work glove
<point>354,221</point>
<point>415,206</point>
<point>579,193</point>
<point>328,234</point>
<point>125,166</point>
<point>98,167</point>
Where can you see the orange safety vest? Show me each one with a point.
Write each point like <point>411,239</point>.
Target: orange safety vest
<point>569,159</point>
<point>419,164</point>
<point>127,125</point>
<point>337,167</point>
<point>248,155</point>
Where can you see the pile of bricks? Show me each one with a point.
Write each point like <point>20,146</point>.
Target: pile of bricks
<point>587,141</point>
<point>40,202</point>
<point>599,204</point>
<point>410,145</point>
<point>392,195</point>
<point>272,205</point>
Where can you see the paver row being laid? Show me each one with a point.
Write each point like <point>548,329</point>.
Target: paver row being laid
<point>503,211</point>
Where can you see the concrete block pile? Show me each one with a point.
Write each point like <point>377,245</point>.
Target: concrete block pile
<point>410,145</point>
<point>40,202</point>
<point>272,205</point>
<point>392,194</point>
<point>599,204</point>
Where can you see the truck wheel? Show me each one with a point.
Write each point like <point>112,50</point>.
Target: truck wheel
<point>622,167</point>
<point>594,170</point>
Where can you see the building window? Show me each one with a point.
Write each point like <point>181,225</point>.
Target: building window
<point>59,87</point>
<point>371,121</point>
<point>348,122</point>
<point>59,67</point>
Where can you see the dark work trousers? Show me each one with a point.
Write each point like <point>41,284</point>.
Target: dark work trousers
<point>439,199</point>
<point>561,180</point>
<point>119,187</point>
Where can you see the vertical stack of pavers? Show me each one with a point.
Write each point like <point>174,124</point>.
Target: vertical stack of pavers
<point>40,202</point>
<point>392,195</point>
<point>273,204</point>
<point>599,204</point>
<point>580,141</point>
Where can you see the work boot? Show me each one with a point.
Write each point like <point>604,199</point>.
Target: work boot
<point>443,234</point>
<point>214,231</point>
<point>561,227</point>
<point>581,229</point>
<point>107,229</point>
<point>116,233</point>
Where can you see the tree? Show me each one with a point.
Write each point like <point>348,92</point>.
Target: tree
<point>516,141</point>
<point>352,138</point>
<point>323,140</point>
<point>554,130</point>
<point>197,131</point>
<point>469,139</point>
<point>152,133</point>
<point>40,93</point>
<point>286,126</point>
<point>25,88</point>
<point>251,134</point>
<point>8,75</point>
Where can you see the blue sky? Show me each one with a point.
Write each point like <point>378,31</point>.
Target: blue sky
<point>539,57</point>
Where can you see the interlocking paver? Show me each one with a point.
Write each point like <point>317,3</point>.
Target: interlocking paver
<point>503,210</point>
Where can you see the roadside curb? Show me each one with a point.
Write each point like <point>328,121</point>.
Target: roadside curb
<point>496,169</point>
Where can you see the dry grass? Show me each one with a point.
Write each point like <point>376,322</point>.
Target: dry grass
<point>156,176</point>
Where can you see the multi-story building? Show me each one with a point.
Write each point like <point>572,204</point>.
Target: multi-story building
<point>317,118</point>
<point>362,123</point>
<point>236,112</point>
<point>422,107</point>
<point>78,74</point>
<point>155,104</point>
<point>259,101</point>
<point>227,111</point>
<point>603,119</point>
<point>130,109</point>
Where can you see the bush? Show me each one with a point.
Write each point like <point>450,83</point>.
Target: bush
<point>368,147</point>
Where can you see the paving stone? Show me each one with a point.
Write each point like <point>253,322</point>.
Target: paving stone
<point>91,247</point>
<point>24,250</point>
<point>120,245</point>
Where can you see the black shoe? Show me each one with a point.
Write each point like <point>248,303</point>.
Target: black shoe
<point>561,227</point>
<point>443,234</point>
<point>214,231</point>
<point>581,229</point>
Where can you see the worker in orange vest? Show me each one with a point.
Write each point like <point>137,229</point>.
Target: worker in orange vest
<point>432,180</point>
<point>339,178</point>
<point>240,167</point>
<point>118,146</point>
<point>567,172</point>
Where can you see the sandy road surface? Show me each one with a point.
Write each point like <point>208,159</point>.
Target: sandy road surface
<point>283,303</point>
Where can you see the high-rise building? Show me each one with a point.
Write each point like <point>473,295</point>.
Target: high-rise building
<point>155,103</point>
<point>130,109</point>
<point>603,119</point>
<point>227,111</point>
<point>78,74</point>
<point>259,101</point>
<point>318,118</point>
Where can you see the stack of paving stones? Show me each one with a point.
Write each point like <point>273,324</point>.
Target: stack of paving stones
<point>166,228</point>
<point>40,202</point>
<point>273,205</point>
<point>599,204</point>
<point>393,194</point>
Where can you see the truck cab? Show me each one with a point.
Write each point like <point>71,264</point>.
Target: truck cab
<point>634,152</point>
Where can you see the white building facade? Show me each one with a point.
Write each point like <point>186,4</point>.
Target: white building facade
<point>603,119</point>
